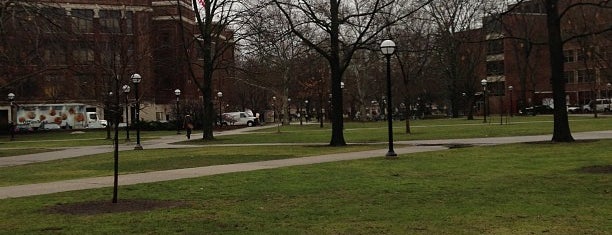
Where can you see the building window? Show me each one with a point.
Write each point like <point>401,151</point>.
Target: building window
<point>129,22</point>
<point>110,57</point>
<point>580,55</point>
<point>86,86</point>
<point>83,54</point>
<point>495,47</point>
<point>159,116</point>
<point>496,88</point>
<point>110,21</point>
<point>82,21</point>
<point>569,56</point>
<point>55,55</point>
<point>495,68</point>
<point>53,22</point>
<point>570,76</point>
<point>585,75</point>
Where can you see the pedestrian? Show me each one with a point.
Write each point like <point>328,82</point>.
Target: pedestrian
<point>188,125</point>
<point>12,127</point>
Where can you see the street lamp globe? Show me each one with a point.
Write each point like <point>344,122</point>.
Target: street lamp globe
<point>177,92</point>
<point>483,82</point>
<point>387,47</point>
<point>136,78</point>
<point>219,94</point>
<point>11,96</point>
<point>510,88</point>
<point>341,85</point>
<point>126,89</point>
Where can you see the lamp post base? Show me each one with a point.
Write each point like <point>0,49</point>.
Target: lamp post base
<point>391,155</point>
<point>138,147</point>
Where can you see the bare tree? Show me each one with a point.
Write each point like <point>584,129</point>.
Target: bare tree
<point>268,40</point>
<point>215,45</point>
<point>452,19</point>
<point>336,29</point>
<point>555,12</point>
<point>31,36</point>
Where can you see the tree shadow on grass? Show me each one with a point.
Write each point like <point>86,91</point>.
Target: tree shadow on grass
<point>105,207</point>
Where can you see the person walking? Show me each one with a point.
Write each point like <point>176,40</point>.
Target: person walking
<point>188,125</point>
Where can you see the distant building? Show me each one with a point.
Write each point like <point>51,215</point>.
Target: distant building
<point>516,51</point>
<point>79,51</point>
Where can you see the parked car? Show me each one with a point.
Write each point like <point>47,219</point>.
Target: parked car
<point>574,109</point>
<point>537,109</point>
<point>601,105</point>
<point>239,118</point>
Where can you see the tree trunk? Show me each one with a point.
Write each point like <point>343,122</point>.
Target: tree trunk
<point>561,132</point>
<point>208,119</point>
<point>337,138</point>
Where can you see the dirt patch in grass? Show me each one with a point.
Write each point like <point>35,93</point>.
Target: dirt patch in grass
<point>605,169</point>
<point>449,145</point>
<point>104,207</point>
<point>553,142</point>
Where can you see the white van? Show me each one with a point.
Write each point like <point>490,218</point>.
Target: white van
<point>601,105</point>
<point>238,118</point>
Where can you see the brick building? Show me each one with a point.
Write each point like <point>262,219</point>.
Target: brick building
<point>517,55</point>
<point>79,51</point>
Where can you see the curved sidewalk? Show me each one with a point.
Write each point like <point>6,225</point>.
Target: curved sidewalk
<point>159,143</point>
<point>157,176</point>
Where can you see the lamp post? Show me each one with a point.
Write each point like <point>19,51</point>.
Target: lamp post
<point>300,111</point>
<point>288,111</point>
<point>608,86</point>
<point>274,113</point>
<point>306,104</point>
<point>177,93</point>
<point>483,82</point>
<point>126,90</point>
<point>11,99</point>
<point>387,47</point>
<point>219,96</point>
<point>501,108</point>
<point>136,79</point>
<point>511,111</point>
<point>274,109</point>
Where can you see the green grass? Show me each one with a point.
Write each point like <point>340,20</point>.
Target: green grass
<point>368,132</point>
<point>355,132</point>
<point>15,152</point>
<point>76,138</point>
<point>159,159</point>
<point>509,189</point>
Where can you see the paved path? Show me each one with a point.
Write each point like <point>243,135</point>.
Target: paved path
<point>149,177</point>
<point>159,143</point>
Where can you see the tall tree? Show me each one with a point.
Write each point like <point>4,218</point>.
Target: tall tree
<point>452,18</point>
<point>269,41</point>
<point>215,43</point>
<point>556,10</point>
<point>336,29</point>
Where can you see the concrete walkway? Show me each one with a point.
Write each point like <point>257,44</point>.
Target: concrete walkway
<point>149,177</point>
<point>164,142</point>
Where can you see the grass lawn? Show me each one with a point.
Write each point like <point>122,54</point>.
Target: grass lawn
<point>355,132</point>
<point>159,159</point>
<point>368,132</point>
<point>509,189</point>
<point>15,152</point>
<point>76,138</point>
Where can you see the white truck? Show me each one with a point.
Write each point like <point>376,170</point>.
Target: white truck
<point>49,116</point>
<point>239,118</point>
